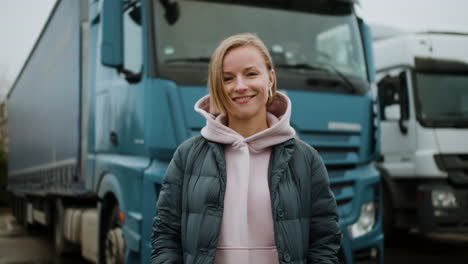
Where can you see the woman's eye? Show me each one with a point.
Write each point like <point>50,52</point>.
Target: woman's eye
<point>251,74</point>
<point>227,79</point>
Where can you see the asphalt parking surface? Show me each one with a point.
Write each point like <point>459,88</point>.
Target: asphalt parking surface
<point>21,246</point>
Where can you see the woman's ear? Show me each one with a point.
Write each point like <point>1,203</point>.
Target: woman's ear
<point>271,78</point>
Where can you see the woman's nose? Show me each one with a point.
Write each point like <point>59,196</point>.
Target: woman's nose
<point>240,85</point>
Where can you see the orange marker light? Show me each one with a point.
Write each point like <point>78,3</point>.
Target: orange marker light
<point>121,217</point>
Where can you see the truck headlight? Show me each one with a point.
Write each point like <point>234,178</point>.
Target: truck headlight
<point>444,199</point>
<point>366,221</point>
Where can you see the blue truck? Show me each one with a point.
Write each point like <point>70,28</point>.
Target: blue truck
<point>107,94</point>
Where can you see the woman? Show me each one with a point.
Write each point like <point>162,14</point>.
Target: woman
<point>246,190</point>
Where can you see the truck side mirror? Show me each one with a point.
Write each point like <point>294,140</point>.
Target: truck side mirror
<point>366,35</point>
<point>112,34</point>
<point>393,100</point>
<point>404,107</point>
<point>388,99</point>
<point>172,11</point>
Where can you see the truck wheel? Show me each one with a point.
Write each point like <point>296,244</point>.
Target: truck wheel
<point>392,233</point>
<point>23,214</point>
<point>61,246</point>
<point>19,211</point>
<point>114,244</point>
<point>387,215</point>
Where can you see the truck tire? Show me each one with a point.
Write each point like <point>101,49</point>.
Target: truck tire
<point>387,221</point>
<point>61,245</point>
<point>21,214</point>
<point>19,210</point>
<point>392,233</point>
<point>113,242</point>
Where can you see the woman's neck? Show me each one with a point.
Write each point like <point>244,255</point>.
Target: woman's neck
<point>248,127</point>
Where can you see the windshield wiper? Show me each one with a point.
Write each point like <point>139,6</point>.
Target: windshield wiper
<point>444,123</point>
<point>303,66</point>
<point>351,88</point>
<point>190,60</point>
<point>322,67</point>
<point>452,113</point>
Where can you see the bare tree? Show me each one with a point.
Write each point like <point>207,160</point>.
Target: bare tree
<point>4,86</point>
<point>4,83</point>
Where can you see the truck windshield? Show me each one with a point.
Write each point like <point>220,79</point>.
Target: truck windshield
<point>323,39</point>
<point>442,99</point>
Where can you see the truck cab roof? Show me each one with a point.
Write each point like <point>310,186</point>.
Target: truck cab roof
<point>418,49</point>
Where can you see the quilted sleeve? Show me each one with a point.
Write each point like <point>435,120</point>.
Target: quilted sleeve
<point>166,236</point>
<point>325,234</point>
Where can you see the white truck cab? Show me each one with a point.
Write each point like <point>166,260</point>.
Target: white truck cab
<point>422,90</point>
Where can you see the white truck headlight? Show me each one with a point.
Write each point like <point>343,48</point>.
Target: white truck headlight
<point>366,221</point>
<point>444,199</point>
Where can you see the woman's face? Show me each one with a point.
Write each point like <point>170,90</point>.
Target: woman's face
<point>246,81</point>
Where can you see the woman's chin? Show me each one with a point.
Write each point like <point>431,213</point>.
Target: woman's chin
<point>247,115</point>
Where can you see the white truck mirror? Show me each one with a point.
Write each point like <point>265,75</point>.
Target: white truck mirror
<point>392,112</point>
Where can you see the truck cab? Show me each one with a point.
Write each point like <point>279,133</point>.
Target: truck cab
<point>421,86</point>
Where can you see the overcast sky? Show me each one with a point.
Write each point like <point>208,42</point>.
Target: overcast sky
<point>22,20</point>
<point>445,15</point>
<point>20,24</point>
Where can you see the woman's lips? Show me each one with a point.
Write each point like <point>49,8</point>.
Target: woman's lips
<point>243,99</point>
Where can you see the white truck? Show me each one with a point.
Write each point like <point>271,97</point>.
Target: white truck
<point>422,90</point>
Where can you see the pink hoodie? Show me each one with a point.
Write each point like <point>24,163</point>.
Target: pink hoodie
<point>247,234</point>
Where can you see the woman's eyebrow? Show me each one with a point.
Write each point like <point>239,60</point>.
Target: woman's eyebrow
<point>250,68</point>
<point>245,69</point>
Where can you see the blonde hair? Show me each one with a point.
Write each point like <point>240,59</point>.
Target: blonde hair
<point>219,101</point>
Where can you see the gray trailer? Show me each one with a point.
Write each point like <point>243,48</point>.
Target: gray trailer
<point>47,129</point>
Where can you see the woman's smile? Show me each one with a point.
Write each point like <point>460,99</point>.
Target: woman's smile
<point>243,99</point>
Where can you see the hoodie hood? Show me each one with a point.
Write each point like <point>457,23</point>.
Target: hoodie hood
<point>279,130</point>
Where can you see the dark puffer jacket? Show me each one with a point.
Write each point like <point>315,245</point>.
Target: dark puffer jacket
<point>190,205</point>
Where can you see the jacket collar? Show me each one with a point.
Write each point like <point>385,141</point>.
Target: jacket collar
<point>281,154</point>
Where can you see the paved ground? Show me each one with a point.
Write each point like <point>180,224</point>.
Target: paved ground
<point>414,249</point>
<point>18,246</point>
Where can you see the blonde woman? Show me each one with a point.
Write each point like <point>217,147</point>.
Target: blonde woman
<point>246,190</point>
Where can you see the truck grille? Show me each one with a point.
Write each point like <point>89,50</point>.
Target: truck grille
<point>342,188</point>
<point>336,149</point>
<point>340,153</point>
<point>342,185</point>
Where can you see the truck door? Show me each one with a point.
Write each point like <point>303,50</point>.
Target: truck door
<point>119,121</point>
<point>398,131</point>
